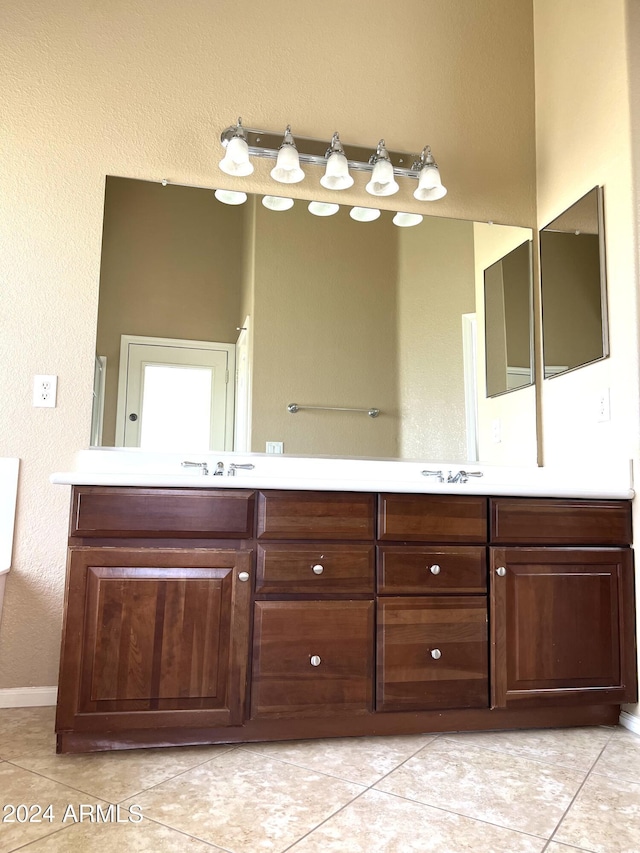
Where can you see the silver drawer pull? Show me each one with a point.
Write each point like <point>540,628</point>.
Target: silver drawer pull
<point>243,576</point>
<point>317,569</point>
<point>316,660</point>
<point>435,570</point>
<point>436,654</point>
<point>501,571</point>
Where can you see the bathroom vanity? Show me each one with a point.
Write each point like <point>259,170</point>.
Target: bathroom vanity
<point>232,613</point>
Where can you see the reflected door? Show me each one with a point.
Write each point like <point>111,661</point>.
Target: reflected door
<point>175,394</point>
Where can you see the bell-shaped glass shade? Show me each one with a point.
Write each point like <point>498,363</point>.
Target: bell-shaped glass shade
<point>336,176</point>
<point>322,208</point>
<point>230,197</point>
<point>382,181</point>
<point>276,202</point>
<point>430,186</point>
<point>236,158</point>
<point>287,169</point>
<point>364,214</point>
<point>407,220</point>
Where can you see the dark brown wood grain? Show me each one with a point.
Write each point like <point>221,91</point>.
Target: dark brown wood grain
<point>107,511</point>
<point>559,521</point>
<point>432,518</point>
<point>315,515</point>
<point>409,630</point>
<point>406,569</point>
<point>284,569</point>
<point>558,617</point>
<point>286,636</point>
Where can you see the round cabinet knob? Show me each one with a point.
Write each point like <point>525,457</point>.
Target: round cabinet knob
<point>501,571</point>
<point>436,654</point>
<point>316,660</point>
<point>317,569</point>
<point>243,576</point>
<point>435,570</point>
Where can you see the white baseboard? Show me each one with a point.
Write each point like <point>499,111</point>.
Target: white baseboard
<point>630,721</point>
<point>27,697</point>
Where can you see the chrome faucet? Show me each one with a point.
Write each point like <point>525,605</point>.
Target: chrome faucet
<point>462,476</point>
<point>202,465</point>
<point>233,467</point>
<point>437,474</point>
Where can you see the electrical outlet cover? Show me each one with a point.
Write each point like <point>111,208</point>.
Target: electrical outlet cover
<point>44,391</point>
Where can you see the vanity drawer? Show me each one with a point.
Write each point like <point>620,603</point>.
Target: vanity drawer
<point>403,569</point>
<point>334,569</point>
<point>312,658</point>
<point>315,515</point>
<point>107,511</point>
<point>533,521</point>
<point>433,653</point>
<point>432,518</point>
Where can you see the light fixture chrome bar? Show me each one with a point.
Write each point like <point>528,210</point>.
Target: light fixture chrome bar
<point>295,407</point>
<point>267,144</point>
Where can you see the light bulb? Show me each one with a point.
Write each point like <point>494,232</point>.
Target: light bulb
<point>230,197</point>
<point>276,202</point>
<point>322,208</point>
<point>236,159</point>
<point>407,220</point>
<point>364,214</point>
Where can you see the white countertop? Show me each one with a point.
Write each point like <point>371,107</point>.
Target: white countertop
<point>127,467</point>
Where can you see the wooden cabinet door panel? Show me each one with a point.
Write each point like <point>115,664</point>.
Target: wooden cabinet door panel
<point>406,569</point>
<point>290,636</point>
<point>562,626</point>
<point>432,518</point>
<point>154,637</point>
<point>559,521</point>
<point>323,569</point>
<point>315,515</point>
<point>432,653</point>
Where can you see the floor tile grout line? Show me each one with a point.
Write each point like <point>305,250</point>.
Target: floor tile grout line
<point>575,797</point>
<point>37,840</point>
<point>211,844</point>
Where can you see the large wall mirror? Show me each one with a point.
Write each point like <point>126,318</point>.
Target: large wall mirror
<point>508,316</point>
<point>317,310</point>
<point>574,291</point>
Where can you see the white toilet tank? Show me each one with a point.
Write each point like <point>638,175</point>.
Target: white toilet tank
<point>8,495</point>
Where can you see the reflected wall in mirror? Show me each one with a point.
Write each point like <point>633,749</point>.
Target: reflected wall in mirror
<point>508,313</point>
<point>337,313</point>
<point>574,291</point>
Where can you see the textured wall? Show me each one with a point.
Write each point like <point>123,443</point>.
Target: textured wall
<point>142,89</point>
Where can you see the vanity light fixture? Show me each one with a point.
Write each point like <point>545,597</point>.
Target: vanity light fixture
<point>276,202</point>
<point>407,220</point>
<point>236,158</point>
<point>230,196</point>
<point>322,208</point>
<point>382,180</point>
<point>364,214</point>
<point>430,186</point>
<point>338,161</point>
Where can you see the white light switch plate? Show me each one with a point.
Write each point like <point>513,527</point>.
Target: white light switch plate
<point>44,391</point>
<point>275,447</point>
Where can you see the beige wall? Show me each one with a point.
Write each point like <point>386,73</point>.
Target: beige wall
<point>142,90</point>
<point>435,287</point>
<point>171,268</point>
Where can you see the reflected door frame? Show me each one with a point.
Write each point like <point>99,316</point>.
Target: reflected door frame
<point>126,341</point>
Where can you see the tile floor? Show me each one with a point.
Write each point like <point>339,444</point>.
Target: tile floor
<point>558,790</point>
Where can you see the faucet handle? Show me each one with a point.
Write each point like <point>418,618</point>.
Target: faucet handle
<point>438,474</point>
<point>233,466</point>
<point>202,465</point>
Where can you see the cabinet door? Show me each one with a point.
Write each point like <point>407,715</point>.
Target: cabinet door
<point>432,653</point>
<point>312,658</point>
<point>562,626</point>
<point>154,638</point>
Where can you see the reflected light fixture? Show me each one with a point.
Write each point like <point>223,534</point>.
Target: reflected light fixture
<point>287,169</point>
<point>336,175</point>
<point>276,202</point>
<point>382,180</point>
<point>236,158</point>
<point>407,220</point>
<point>323,208</point>
<point>230,196</point>
<point>430,186</point>
<point>364,214</point>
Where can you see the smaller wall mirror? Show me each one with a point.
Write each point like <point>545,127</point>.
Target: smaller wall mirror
<point>574,293</point>
<point>508,322</point>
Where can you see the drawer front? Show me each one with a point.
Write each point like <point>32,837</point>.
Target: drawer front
<point>406,569</point>
<point>315,515</point>
<point>538,521</point>
<point>432,518</point>
<point>432,654</point>
<point>320,569</point>
<point>312,658</point>
<point>183,513</point>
